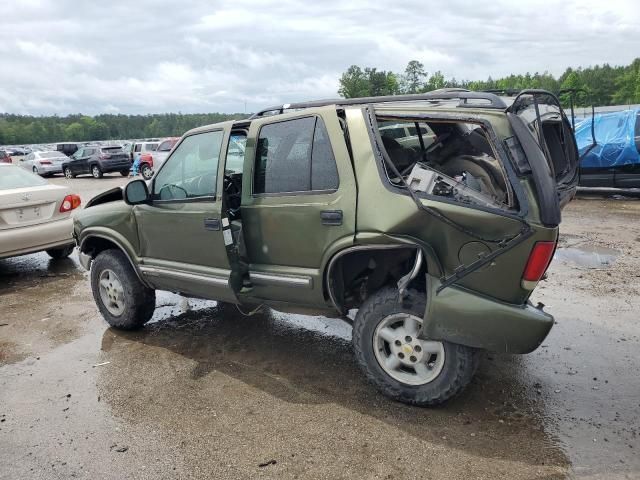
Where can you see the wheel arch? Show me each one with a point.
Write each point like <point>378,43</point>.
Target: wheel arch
<point>94,243</point>
<point>391,261</point>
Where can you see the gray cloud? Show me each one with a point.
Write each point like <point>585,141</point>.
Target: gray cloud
<point>144,56</point>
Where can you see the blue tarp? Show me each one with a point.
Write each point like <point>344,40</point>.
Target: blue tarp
<point>615,140</point>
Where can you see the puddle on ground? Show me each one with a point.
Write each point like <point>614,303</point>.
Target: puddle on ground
<point>589,256</point>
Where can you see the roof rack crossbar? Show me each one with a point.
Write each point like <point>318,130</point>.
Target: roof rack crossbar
<point>467,99</point>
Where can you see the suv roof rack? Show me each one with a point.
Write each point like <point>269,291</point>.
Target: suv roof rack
<point>467,99</point>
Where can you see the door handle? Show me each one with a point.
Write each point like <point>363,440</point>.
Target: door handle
<point>212,224</point>
<point>331,217</point>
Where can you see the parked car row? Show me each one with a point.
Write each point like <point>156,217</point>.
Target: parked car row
<point>73,159</point>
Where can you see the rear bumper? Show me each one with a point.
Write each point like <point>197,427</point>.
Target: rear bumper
<point>467,318</point>
<point>49,169</point>
<point>36,238</point>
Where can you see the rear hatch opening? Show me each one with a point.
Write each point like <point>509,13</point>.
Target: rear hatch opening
<point>546,122</point>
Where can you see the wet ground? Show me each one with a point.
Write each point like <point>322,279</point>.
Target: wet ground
<point>202,393</point>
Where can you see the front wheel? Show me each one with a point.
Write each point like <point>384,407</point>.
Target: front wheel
<point>402,366</point>
<point>35,170</point>
<point>147,171</point>
<point>122,299</point>
<point>67,173</point>
<point>96,172</point>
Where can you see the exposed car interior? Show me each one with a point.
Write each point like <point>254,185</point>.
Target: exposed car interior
<point>454,160</point>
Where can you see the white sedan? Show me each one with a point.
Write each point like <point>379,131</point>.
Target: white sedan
<point>35,215</point>
<point>44,163</point>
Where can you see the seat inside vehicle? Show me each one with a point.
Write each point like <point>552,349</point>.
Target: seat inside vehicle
<point>449,159</point>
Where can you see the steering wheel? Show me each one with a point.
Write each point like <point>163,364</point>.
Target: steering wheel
<point>170,188</point>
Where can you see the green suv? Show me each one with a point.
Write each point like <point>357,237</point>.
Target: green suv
<point>432,217</point>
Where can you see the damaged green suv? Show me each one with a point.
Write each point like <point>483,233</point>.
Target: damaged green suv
<point>431,216</point>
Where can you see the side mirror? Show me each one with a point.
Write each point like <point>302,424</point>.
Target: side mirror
<point>136,192</point>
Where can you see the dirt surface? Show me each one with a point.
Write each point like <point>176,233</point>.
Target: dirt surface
<point>202,393</point>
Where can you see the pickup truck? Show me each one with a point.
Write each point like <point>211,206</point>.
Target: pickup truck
<point>436,243</point>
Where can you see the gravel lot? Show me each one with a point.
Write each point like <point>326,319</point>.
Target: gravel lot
<point>196,394</point>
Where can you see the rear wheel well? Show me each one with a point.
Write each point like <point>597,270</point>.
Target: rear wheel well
<point>356,274</point>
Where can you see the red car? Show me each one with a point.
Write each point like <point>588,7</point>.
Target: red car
<point>147,159</point>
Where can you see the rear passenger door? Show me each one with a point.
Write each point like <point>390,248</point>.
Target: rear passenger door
<point>298,202</point>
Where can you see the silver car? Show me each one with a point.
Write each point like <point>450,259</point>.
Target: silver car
<point>44,163</point>
<point>35,215</point>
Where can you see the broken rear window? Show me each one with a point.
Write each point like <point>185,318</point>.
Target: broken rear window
<point>449,159</point>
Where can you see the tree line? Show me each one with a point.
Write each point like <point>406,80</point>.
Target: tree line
<point>23,129</point>
<point>602,84</point>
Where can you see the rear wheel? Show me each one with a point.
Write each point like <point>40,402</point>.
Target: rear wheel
<point>96,172</point>
<point>397,362</point>
<point>123,300</point>
<point>60,253</point>
<point>67,173</point>
<point>147,171</point>
<point>124,173</point>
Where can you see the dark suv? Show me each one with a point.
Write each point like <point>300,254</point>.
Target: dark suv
<point>97,160</point>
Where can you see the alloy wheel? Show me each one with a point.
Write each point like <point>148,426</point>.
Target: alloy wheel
<point>402,355</point>
<point>111,292</point>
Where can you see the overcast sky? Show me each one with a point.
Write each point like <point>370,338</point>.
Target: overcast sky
<point>148,56</point>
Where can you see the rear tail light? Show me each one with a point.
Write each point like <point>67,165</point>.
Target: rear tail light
<point>45,162</point>
<point>539,260</point>
<point>69,203</point>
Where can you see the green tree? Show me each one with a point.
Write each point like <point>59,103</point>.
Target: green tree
<point>354,83</point>
<point>436,81</point>
<point>414,78</point>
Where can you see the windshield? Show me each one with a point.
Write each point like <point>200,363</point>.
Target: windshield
<point>13,176</point>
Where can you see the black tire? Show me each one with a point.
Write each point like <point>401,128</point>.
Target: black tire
<point>139,300</point>
<point>460,362</point>
<point>67,173</point>
<point>96,171</point>
<point>124,173</point>
<point>35,170</point>
<point>146,171</point>
<point>61,252</point>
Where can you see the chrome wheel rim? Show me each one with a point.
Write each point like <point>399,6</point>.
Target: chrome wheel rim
<point>67,173</point>
<point>95,171</point>
<point>111,292</point>
<point>147,172</point>
<point>402,355</point>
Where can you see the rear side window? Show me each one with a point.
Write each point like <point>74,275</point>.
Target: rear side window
<point>111,150</point>
<point>137,147</point>
<point>294,156</point>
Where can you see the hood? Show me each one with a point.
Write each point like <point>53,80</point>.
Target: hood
<point>112,195</point>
